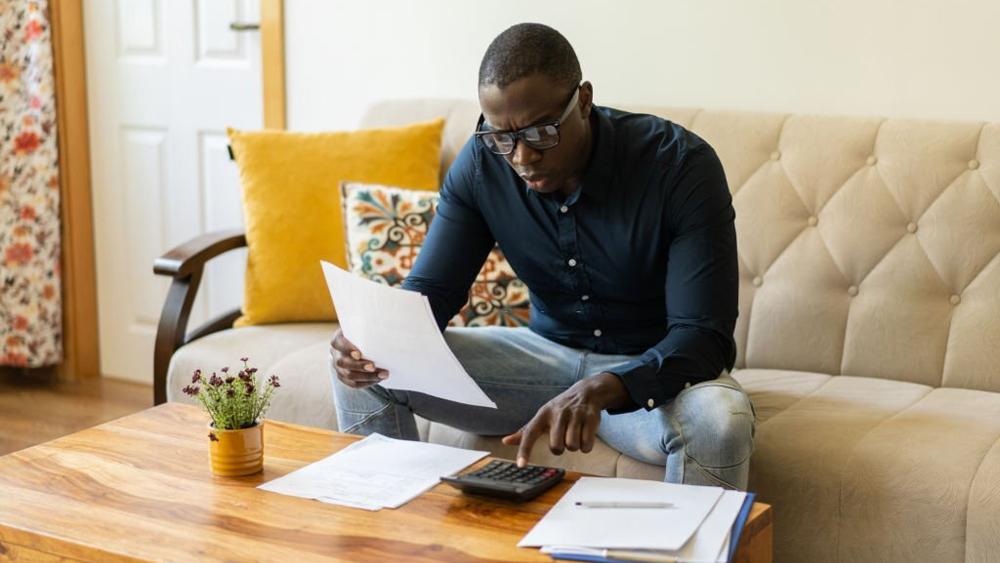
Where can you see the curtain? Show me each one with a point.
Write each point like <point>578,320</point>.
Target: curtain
<point>30,295</point>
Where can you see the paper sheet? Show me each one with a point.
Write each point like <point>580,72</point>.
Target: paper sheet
<point>709,544</point>
<point>396,329</point>
<point>624,528</point>
<point>377,472</point>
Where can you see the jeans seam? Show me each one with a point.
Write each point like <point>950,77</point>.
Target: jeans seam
<point>706,472</point>
<point>368,417</point>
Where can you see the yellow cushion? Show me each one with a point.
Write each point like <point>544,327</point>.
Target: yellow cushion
<point>291,206</point>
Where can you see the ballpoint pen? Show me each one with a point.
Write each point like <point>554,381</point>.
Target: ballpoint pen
<point>640,504</point>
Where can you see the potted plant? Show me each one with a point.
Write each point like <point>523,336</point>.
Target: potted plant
<point>236,404</point>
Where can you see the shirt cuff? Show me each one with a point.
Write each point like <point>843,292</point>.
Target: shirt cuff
<point>646,387</point>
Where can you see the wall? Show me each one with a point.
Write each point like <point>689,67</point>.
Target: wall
<point>898,58</point>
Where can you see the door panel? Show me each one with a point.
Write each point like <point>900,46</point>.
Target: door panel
<point>163,86</point>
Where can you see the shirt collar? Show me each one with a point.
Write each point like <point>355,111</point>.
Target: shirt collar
<point>599,171</point>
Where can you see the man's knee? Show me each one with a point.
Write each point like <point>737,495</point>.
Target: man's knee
<point>717,422</point>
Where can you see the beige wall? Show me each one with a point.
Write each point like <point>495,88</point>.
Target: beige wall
<point>915,58</point>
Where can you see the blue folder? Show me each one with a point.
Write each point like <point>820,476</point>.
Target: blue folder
<point>738,524</point>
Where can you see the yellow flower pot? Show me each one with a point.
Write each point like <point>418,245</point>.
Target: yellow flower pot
<point>236,452</point>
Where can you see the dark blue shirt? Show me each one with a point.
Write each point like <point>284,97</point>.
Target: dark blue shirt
<point>640,260</point>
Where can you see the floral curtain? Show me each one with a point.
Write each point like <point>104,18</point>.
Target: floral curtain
<point>30,303</point>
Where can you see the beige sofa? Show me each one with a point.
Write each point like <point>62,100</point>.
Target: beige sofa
<point>869,329</point>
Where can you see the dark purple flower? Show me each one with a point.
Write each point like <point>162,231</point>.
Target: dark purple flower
<point>191,390</point>
<point>230,379</point>
<point>252,370</point>
<point>215,380</point>
<point>230,392</point>
<point>245,377</point>
<point>196,377</point>
<point>273,381</point>
<point>213,437</point>
<point>250,388</point>
<point>225,369</point>
<point>243,359</point>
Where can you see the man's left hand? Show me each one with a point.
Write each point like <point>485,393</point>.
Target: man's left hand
<point>571,418</point>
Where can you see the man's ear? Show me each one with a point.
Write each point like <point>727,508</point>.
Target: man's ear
<point>586,99</point>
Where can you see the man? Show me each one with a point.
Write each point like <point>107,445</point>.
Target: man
<point>621,225</point>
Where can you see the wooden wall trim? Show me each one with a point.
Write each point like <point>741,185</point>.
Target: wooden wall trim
<point>79,281</point>
<point>272,44</point>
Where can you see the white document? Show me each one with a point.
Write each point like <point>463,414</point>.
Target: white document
<point>625,528</point>
<point>377,472</point>
<point>395,329</point>
<point>709,544</point>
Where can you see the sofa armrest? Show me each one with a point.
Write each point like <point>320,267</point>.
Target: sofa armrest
<point>192,255</point>
<point>185,264</point>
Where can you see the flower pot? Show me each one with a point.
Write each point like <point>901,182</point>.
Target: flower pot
<point>237,452</point>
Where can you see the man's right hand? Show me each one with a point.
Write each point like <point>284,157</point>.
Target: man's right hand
<point>353,370</point>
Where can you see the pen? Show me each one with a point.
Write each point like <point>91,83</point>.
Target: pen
<point>598,504</point>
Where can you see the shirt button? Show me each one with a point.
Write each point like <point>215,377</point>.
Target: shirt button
<point>564,209</point>
<point>571,262</point>
<point>650,403</point>
<point>584,298</point>
<point>597,332</point>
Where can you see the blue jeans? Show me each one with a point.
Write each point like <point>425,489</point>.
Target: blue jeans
<point>703,437</point>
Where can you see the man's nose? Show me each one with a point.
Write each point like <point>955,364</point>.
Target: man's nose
<point>523,154</point>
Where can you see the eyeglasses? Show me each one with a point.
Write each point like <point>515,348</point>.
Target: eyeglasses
<point>539,137</point>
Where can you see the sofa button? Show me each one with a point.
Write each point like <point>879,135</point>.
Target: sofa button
<point>564,209</point>
<point>813,221</point>
<point>852,291</point>
<point>973,164</point>
<point>584,298</point>
<point>597,332</point>
<point>872,160</point>
<point>775,155</point>
<point>757,281</point>
<point>955,300</point>
<point>912,227</point>
<point>650,403</point>
<point>571,262</point>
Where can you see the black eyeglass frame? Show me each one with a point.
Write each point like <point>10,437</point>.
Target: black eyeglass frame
<point>522,133</point>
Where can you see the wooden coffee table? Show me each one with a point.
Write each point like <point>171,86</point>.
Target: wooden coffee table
<point>139,488</point>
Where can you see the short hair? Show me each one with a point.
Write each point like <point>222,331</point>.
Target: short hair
<point>527,49</point>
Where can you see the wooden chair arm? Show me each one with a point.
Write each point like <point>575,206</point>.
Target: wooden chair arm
<point>185,264</point>
<point>192,255</point>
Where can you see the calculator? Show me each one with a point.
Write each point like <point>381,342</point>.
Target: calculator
<point>504,479</point>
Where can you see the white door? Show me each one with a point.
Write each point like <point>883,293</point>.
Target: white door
<point>164,80</point>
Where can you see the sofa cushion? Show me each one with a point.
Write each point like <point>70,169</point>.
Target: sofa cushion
<point>296,352</point>
<point>291,203</point>
<point>385,229</point>
<point>841,457</point>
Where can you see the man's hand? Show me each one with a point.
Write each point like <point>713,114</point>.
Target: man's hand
<point>353,370</point>
<point>572,417</point>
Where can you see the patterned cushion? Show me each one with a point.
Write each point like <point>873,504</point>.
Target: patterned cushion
<point>386,227</point>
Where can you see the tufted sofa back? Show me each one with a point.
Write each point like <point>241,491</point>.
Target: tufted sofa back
<point>867,246</point>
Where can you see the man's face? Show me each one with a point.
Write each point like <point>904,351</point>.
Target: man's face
<point>535,100</point>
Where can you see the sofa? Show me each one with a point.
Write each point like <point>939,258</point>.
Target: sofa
<point>868,335</point>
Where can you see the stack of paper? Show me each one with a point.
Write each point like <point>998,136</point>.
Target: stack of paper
<point>377,472</point>
<point>694,529</point>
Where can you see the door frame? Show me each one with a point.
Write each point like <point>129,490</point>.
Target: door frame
<point>81,355</point>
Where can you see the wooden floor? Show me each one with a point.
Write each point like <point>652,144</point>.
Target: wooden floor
<point>36,409</point>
